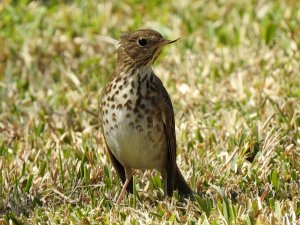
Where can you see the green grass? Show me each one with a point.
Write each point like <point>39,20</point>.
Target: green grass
<point>235,84</point>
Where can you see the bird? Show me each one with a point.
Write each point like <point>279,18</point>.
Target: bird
<point>136,115</point>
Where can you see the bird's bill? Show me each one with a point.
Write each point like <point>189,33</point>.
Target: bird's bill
<point>166,42</point>
<point>170,42</point>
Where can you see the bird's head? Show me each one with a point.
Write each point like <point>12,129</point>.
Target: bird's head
<point>141,47</point>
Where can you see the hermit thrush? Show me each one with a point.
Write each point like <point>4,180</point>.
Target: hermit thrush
<point>136,114</point>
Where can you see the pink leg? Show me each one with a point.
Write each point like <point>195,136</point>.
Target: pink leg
<point>128,174</point>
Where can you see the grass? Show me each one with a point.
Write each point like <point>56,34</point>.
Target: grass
<point>234,82</point>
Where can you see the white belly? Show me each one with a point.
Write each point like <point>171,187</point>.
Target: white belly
<point>136,146</point>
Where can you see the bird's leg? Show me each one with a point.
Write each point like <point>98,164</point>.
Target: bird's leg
<point>128,175</point>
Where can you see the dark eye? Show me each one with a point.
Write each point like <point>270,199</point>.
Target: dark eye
<point>142,41</point>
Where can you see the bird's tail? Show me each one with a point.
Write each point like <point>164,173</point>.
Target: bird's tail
<point>181,185</point>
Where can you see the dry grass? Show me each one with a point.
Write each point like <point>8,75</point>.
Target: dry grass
<point>234,81</point>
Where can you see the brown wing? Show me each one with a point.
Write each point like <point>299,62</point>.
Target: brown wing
<point>175,180</point>
<point>167,115</point>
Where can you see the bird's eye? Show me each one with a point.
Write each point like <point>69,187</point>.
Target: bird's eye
<point>142,42</point>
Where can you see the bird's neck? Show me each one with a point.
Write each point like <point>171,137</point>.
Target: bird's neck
<point>145,70</point>
<point>125,69</point>
<point>139,80</point>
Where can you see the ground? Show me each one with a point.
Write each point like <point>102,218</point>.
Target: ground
<point>234,82</point>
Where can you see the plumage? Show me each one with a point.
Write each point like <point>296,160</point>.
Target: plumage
<point>136,114</point>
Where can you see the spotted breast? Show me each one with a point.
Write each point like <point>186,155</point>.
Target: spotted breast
<point>131,123</point>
